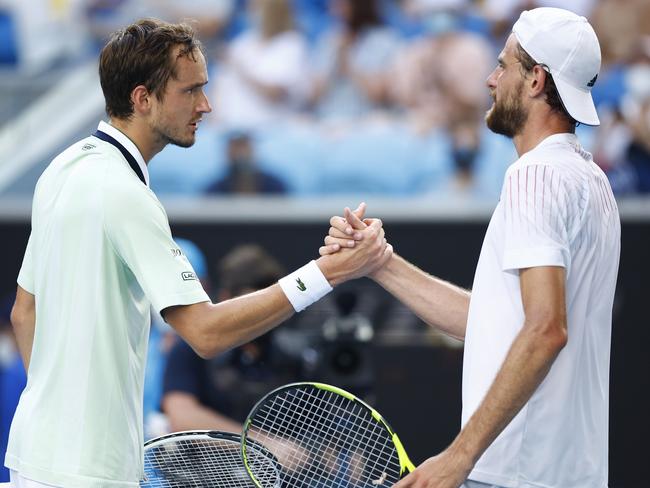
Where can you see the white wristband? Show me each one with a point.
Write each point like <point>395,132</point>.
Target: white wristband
<point>305,286</point>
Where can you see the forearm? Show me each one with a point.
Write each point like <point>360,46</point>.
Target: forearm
<point>440,304</point>
<point>214,328</point>
<point>23,320</point>
<point>525,367</point>
<point>24,333</point>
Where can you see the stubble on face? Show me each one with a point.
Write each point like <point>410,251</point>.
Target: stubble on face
<point>169,130</point>
<point>508,115</point>
<point>176,121</point>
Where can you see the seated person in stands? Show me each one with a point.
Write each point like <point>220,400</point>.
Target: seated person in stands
<point>217,394</point>
<point>439,92</point>
<point>243,176</point>
<point>261,79</point>
<point>350,63</point>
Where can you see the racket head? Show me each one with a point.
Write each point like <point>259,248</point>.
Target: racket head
<point>204,459</point>
<point>323,436</point>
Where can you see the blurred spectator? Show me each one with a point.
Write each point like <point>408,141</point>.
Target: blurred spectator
<point>501,13</point>
<point>440,80</point>
<point>262,79</point>
<point>619,25</point>
<point>208,17</point>
<point>161,340</point>
<point>624,138</point>
<point>243,175</point>
<point>351,62</point>
<point>8,41</point>
<point>218,393</point>
<point>12,377</point>
<point>44,32</point>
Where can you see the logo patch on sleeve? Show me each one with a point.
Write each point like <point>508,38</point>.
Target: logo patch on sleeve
<point>188,276</point>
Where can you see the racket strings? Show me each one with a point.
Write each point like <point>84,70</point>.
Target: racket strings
<point>202,462</point>
<point>344,441</point>
<point>320,435</point>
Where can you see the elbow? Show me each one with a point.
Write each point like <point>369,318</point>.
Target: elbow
<point>557,339</point>
<point>20,318</point>
<point>207,344</point>
<point>205,351</point>
<point>190,322</point>
<point>551,335</point>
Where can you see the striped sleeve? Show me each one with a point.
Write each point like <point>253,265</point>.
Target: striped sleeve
<point>537,214</point>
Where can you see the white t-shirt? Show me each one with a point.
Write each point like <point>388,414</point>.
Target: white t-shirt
<point>99,255</point>
<point>278,61</point>
<point>556,209</point>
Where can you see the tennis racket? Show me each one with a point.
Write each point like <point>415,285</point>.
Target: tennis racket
<point>322,436</point>
<point>204,459</point>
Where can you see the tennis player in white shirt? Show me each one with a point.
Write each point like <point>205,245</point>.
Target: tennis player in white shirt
<point>537,324</point>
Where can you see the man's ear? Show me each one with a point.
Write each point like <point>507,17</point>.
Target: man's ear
<point>141,99</point>
<point>537,81</point>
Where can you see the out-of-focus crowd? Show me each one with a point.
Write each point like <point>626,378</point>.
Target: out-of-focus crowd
<point>364,96</point>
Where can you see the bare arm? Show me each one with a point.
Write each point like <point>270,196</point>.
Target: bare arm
<point>527,363</point>
<point>23,320</point>
<point>185,412</point>
<point>213,328</point>
<point>440,304</point>
<point>437,302</point>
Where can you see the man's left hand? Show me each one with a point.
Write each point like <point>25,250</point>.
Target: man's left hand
<point>446,470</point>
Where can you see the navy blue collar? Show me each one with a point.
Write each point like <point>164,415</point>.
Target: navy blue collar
<point>127,155</point>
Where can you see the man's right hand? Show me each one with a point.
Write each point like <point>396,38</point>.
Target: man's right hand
<point>342,234</point>
<point>353,248</point>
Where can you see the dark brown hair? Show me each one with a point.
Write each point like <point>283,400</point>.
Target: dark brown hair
<point>248,267</point>
<point>364,14</point>
<point>550,90</point>
<point>142,54</point>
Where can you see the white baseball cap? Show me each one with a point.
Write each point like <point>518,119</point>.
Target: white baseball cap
<point>567,45</point>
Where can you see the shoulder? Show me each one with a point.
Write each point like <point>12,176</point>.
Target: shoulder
<point>124,196</point>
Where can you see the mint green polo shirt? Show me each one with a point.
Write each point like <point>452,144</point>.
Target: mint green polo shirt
<point>99,256</point>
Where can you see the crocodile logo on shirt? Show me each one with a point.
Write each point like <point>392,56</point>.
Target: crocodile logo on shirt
<point>301,286</point>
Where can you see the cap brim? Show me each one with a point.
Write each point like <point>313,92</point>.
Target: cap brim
<point>577,102</point>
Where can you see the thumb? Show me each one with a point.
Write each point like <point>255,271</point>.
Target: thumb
<point>360,211</point>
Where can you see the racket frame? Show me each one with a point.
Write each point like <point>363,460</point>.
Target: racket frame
<point>406,466</point>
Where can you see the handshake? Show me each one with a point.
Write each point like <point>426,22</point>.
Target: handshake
<point>354,247</point>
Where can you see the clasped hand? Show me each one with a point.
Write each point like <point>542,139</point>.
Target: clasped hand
<point>359,243</point>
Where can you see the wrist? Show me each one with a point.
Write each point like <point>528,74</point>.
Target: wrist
<point>333,276</point>
<point>380,274</point>
<point>464,453</point>
<point>305,286</point>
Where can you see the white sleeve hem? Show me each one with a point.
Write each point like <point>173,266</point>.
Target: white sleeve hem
<point>533,257</point>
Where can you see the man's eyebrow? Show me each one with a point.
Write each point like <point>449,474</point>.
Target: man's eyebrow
<point>195,85</point>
